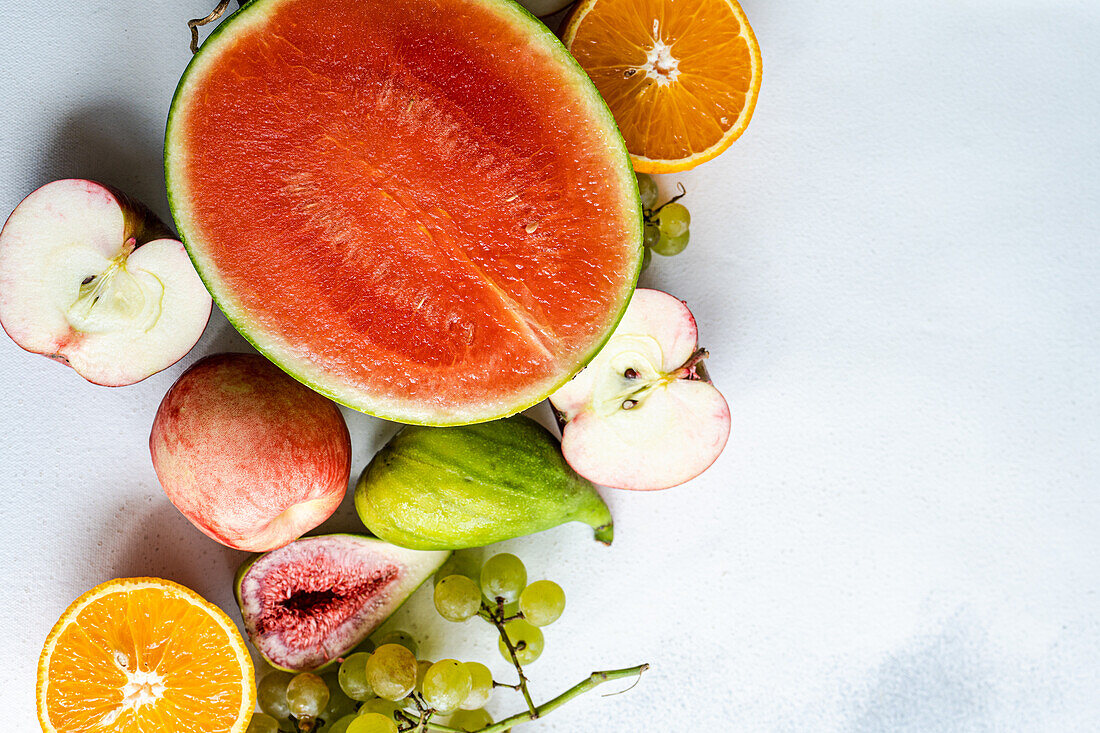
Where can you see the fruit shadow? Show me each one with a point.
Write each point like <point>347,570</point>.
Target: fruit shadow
<point>112,143</point>
<point>220,337</point>
<point>368,435</point>
<point>154,539</point>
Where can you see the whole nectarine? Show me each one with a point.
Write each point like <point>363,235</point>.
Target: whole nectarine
<point>252,457</point>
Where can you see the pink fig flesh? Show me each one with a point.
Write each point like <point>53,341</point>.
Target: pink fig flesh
<point>317,598</point>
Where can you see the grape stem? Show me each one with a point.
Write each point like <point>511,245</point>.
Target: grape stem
<point>496,617</point>
<point>594,680</point>
<point>215,14</point>
<point>414,724</point>
<point>650,215</point>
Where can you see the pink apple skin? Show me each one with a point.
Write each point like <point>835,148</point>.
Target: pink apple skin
<point>252,457</point>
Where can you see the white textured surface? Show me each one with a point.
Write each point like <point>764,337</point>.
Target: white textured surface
<point>896,273</point>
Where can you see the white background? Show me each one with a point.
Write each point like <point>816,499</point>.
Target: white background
<point>895,271</point>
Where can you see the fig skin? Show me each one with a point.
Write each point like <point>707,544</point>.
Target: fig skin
<point>250,456</point>
<point>469,486</point>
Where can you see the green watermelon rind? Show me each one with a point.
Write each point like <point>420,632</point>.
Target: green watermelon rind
<point>360,399</point>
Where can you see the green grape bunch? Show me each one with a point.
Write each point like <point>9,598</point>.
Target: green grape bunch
<point>666,227</point>
<point>388,689</point>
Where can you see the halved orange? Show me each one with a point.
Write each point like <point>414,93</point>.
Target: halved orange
<point>144,655</point>
<point>681,76</point>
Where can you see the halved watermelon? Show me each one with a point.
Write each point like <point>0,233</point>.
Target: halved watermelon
<point>420,208</point>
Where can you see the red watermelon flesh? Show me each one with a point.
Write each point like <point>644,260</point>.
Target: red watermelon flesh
<point>420,208</point>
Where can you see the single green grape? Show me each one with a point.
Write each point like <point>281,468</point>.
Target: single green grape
<point>339,702</point>
<point>673,219</point>
<point>340,725</point>
<point>271,693</point>
<point>650,234</point>
<point>307,695</point>
<point>457,598</point>
<point>372,723</point>
<point>647,257</point>
<point>402,638</point>
<point>671,245</point>
<point>262,723</point>
<point>422,667</point>
<point>380,706</point>
<point>391,671</point>
<point>647,190</point>
<point>470,720</point>
<point>527,640</point>
<point>447,684</point>
<point>542,602</point>
<point>353,677</point>
<point>462,562</point>
<point>481,686</point>
<point>503,576</point>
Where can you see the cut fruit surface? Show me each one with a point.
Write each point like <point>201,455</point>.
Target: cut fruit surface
<point>680,77</point>
<point>420,208</point>
<point>641,415</point>
<point>315,599</point>
<point>142,654</point>
<point>92,279</point>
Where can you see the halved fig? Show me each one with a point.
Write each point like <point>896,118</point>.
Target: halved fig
<point>643,414</point>
<point>314,600</point>
<point>93,279</point>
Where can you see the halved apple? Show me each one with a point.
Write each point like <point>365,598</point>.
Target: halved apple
<point>93,279</point>
<point>643,415</point>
